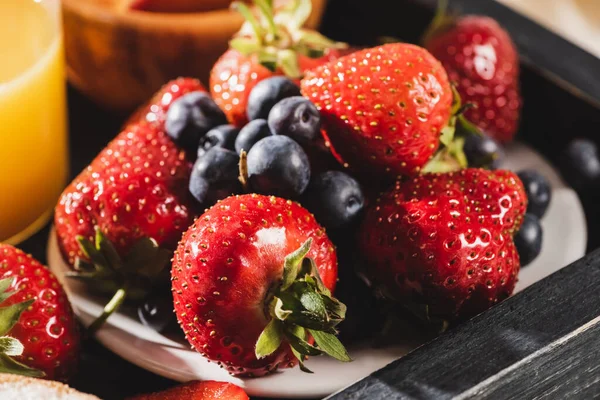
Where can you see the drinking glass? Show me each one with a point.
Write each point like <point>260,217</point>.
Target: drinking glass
<point>33,127</point>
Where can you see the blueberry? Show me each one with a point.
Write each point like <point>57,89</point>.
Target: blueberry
<point>277,165</point>
<point>190,117</point>
<point>220,136</point>
<point>267,93</point>
<point>250,134</point>
<point>297,118</point>
<point>538,192</point>
<point>157,313</point>
<point>215,176</point>
<point>335,198</point>
<point>580,165</point>
<point>483,152</point>
<point>529,239</point>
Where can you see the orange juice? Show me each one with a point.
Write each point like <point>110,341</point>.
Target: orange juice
<point>33,132</point>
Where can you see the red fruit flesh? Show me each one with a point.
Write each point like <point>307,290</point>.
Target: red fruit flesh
<point>136,187</point>
<point>225,267</point>
<point>482,61</point>
<point>207,390</point>
<point>384,108</point>
<point>47,329</point>
<point>445,240</point>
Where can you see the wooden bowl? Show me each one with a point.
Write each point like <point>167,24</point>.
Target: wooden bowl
<point>119,56</point>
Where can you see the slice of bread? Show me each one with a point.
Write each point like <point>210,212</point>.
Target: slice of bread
<point>16,387</point>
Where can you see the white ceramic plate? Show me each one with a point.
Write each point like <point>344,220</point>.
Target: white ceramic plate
<point>565,239</point>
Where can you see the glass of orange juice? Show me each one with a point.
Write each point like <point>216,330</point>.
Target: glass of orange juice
<point>33,127</point>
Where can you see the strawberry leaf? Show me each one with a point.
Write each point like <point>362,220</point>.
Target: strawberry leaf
<point>288,61</point>
<point>334,307</point>
<point>301,361</point>
<point>267,15</point>
<point>448,132</point>
<point>245,45</point>
<point>249,17</point>
<point>90,251</point>
<point>4,286</point>
<point>10,346</point>
<point>331,345</point>
<point>313,303</point>
<point>280,312</point>
<point>11,314</point>
<point>301,12</point>
<point>296,340</point>
<point>292,264</point>
<point>270,339</point>
<point>10,366</point>
<point>309,267</point>
<point>311,320</point>
<point>106,248</point>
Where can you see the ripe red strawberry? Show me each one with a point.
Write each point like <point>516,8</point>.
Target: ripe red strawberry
<point>207,390</point>
<point>156,109</point>
<point>384,108</point>
<point>37,326</point>
<point>131,202</point>
<point>482,61</point>
<point>136,187</point>
<point>445,241</point>
<point>272,45</point>
<point>241,269</point>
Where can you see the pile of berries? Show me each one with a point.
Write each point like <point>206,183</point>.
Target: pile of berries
<point>278,152</point>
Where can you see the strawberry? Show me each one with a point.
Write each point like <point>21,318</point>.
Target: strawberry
<point>252,281</point>
<point>445,241</point>
<point>196,390</point>
<point>38,331</point>
<point>383,109</point>
<point>273,44</point>
<point>482,61</point>
<point>155,110</point>
<point>129,207</point>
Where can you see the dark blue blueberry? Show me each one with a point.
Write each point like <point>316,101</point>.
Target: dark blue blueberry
<point>529,239</point>
<point>157,313</point>
<point>483,152</point>
<point>250,134</point>
<point>277,165</point>
<point>267,93</point>
<point>297,118</point>
<point>580,165</point>
<point>215,176</point>
<point>538,192</point>
<point>220,136</point>
<point>335,198</point>
<point>190,117</point>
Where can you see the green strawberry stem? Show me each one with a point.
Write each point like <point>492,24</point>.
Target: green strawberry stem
<point>113,305</point>
<point>276,37</point>
<point>450,156</point>
<point>243,178</point>
<point>9,346</point>
<point>129,278</point>
<point>302,307</point>
<point>440,22</point>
